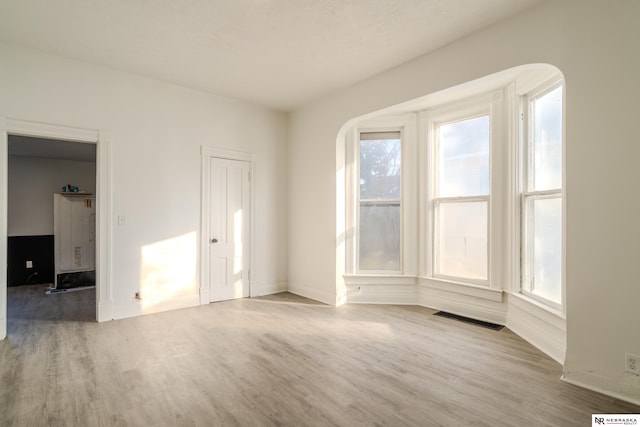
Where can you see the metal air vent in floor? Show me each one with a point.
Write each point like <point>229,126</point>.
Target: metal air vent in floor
<point>481,323</point>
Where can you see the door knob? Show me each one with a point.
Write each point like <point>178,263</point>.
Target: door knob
<point>214,240</point>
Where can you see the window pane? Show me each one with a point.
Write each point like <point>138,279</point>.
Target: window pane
<point>463,158</point>
<point>380,167</point>
<point>462,240</point>
<point>379,236</point>
<point>546,258</point>
<point>547,141</point>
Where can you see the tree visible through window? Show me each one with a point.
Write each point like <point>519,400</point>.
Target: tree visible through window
<point>379,205</point>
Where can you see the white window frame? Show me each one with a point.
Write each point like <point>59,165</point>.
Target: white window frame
<point>406,123</point>
<point>389,202</point>
<point>468,109</point>
<point>525,192</point>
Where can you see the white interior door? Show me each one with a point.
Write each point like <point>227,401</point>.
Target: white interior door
<point>228,229</point>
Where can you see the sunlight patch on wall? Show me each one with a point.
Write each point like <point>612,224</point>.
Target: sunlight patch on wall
<point>168,269</point>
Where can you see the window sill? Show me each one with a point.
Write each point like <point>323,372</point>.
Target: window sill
<point>468,289</point>
<point>526,303</point>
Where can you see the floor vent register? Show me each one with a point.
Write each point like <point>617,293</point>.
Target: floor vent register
<point>481,323</point>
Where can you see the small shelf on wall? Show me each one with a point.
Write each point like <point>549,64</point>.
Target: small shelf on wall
<point>76,193</point>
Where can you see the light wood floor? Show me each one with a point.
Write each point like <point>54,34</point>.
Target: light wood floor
<point>274,361</point>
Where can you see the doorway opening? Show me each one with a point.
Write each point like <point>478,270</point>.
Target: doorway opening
<point>51,227</point>
<point>51,138</point>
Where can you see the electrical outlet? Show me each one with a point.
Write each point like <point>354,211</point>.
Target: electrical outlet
<point>29,264</point>
<point>632,364</point>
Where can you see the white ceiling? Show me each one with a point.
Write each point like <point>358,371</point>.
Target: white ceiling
<point>278,53</point>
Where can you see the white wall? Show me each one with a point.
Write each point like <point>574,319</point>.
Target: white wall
<point>156,132</point>
<point>595,45</point>
<point>32,182</point>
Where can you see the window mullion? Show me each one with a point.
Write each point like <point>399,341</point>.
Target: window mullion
<point>381,201</point>
<point>461,199</point>
<point>542,193</point>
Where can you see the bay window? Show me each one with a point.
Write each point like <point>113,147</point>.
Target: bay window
<point>456,201</point>
<point>463,196</point>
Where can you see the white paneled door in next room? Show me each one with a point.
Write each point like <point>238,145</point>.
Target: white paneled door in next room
<point>229,229</point>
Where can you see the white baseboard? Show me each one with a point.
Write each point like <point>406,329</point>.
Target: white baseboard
<point>314,294</point>
<point>607,386</point>
<point>205,295</point>
<point>137,308</point>
<point>382,294</point>
<point>539,327</point>
<point>104,312</point>
<point>464,305</point>
<point>258,290</point>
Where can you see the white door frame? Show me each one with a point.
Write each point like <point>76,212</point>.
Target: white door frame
<point>206,154</point>
<point>103,196</point>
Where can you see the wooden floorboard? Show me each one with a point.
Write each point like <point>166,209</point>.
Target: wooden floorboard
<point>280,360</point>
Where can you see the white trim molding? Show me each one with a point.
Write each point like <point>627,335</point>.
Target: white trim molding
<point>349,180</point>
<point>314,294</point>
<point>104,196</point>
<point>381,289</point>
<point>222,153</point>
<point>51,131</point>
<point>482,304</point>
<point>538,325</point>
<point>10,126</point>
<point>4,177</point>
<point>132,308</point>
<point>205,154</point>
<point>382,294</point>
<point>626,389</point>
<point>477,291</point>
<point>260,289</point>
